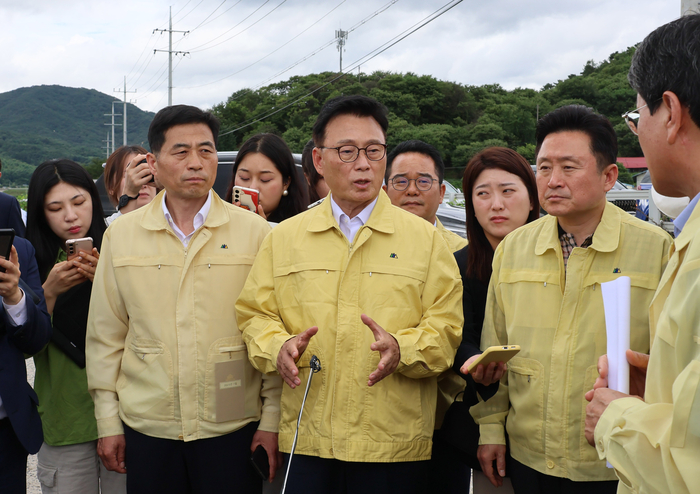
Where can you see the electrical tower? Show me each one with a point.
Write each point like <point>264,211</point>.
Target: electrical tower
<point>341,36</point>
<point>170,52</point>
<point>112,125</point>
<point>124,118</point>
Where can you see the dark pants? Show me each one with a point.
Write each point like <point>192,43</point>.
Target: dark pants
<point>217,464</point>
<point>448,472</point>
<point>528,481</point>
<point>310,474</point>
<point>13,461</point>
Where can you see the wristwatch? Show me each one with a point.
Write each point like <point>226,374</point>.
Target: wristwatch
<point>124,200</point>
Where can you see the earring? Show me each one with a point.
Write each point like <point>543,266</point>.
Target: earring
<point>285,193</point>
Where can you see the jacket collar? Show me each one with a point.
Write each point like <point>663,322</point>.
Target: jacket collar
<point>154,219</point>
<point>605,239</point>
<point>379,219</point>
<point>691,227</point>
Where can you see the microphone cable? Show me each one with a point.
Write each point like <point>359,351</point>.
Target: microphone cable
<point>315,365</point>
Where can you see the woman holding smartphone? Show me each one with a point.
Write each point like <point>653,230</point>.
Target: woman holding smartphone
<point>128,181</point>
<point>63,205</point>
<point>265,163</point>
<point>501,195</point>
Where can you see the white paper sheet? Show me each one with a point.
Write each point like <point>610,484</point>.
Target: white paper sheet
<point>616,301</point>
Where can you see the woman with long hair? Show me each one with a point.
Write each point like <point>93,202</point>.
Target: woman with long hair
<point>265,163</point>
<point>63,204</point>
<point>318,189</point>
<point>125,175</point>
<point>501,195</point>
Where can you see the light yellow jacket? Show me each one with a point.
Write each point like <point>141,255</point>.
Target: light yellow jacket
<point>557,319</point>
<point>399,272</point>
<point>454,241</point>
<point>161,317</point>
<point>449,383</point>
<point>655,446</point>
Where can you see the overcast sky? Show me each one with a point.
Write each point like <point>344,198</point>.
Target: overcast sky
<point>237,44</point>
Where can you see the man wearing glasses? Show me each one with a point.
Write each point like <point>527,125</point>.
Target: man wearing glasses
<point>654,443</point>
<point>374,293</point>
<point>414,175</point>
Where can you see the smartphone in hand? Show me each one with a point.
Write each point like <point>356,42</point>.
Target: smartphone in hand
<point>7,236</point>
<point>261,462</point>
<point>495,354</point>
<point>247,198</point>
<point>75,245</point>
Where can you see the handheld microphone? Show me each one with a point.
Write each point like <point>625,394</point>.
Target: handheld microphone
<point>315,365</point>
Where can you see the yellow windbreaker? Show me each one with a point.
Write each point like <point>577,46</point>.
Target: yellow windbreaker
<point>655,446</point>
<point>450,384</point>
<point>557,318</point>
<point>399,272</point>
<point>162,317</point>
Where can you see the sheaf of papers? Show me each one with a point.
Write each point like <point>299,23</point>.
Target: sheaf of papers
<point>616,301</point>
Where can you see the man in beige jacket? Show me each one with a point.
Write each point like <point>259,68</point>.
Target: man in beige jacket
<point>166,363</point>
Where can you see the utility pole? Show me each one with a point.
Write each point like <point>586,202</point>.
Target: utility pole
<point>170,53</point>
<point>341,36</point>
<point>124,118</point>
<point>112,125</point>
<point>108,141</point>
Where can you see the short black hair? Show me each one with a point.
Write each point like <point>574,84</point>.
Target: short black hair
<point>669,60</point>
<point>171,116</point>
<point>416,146</point>
<point>360,106</point>
<point>583,119</point>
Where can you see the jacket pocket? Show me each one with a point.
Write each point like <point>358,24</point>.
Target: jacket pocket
<point>230,349</point>
<point>46,475</point>
<point>145,383</point>
<point>396,290</point>
<point>526,393</point>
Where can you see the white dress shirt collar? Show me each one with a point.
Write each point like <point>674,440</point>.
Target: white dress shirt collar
<point>199,220</point>
<point>350,226</point>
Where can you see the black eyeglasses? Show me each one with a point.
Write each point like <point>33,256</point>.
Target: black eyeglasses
<point>350,153</point>
<point>422,183</point>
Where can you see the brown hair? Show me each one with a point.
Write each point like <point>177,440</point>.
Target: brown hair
<point>480,252</point>
<point>114,170</point>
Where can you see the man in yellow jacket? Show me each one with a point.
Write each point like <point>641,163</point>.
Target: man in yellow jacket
<point>414,182</point>
<point>176,400</point>
<point>374,293</point>
<point>654,444</point>
<point>545,296</point>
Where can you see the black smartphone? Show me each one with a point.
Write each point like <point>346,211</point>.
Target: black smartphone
<point>152,181</point>
<point>7,236</point>
<point>260,462</point>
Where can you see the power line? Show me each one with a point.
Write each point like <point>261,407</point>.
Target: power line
<point>207,17</point>
<point>321,48</point>
<point>426,20</point>
<point>196,48</point>
<point>188,13</point>
<point>271,53</point>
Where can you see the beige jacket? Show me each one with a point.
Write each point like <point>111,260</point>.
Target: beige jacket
<point>162,316</point>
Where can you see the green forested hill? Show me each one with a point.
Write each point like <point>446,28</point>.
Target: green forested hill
<point>44,122</point>
<point>459,119</point>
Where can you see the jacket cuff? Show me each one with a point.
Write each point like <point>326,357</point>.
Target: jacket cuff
<point>269,422</point>
<point>492,434</point>
<point>111,426</point>
<point>611,419</point>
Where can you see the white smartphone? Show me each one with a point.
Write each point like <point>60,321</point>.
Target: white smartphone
<point>247,198</point>
<point>495,354</point>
